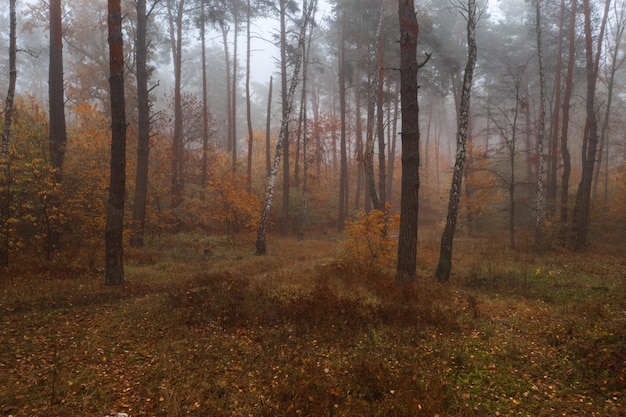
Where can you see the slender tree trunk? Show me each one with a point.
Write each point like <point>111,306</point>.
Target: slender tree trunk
<point>204,175</point>
<point>392,151</point>
<point>233,89</point>
<point>358,126</point>
<point>444,268</point>
<point>368,157</point>
<point>58,133</point>
<point>5,158</point>
<point>143,128</point>
<point>343,175</point>
<point>268,123</point>
<point>114,236</point>
<point>380,114</point>
<point>261,248</point>
<point>541,132</point>
<point>176,32</point>
<point>567,94</point>
<point>248,97</point>
<point>284,223</point>
<point>554,158</point>
<point>409,203</point>
<point>583,196</point>
<point>229,96</point>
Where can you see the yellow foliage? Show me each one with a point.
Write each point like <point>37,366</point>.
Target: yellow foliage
<point>368,247</point>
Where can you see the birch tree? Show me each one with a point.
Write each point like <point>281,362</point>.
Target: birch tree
<point>261,248</point>
<point>444,268</point>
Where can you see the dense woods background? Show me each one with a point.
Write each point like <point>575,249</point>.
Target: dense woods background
<point>202,124</point>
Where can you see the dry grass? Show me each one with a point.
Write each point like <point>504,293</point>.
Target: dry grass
<point>204,327</point>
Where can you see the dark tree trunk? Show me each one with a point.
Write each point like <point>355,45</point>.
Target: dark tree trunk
<point>58,134</point>
<point>554,157</point>
<point>143,128</point>
<point>567,95</point>
<point>358,126</point>
<point>380,114</point>
<point>444,268</point>
<point>5,158</point>
<point>583,196</point>
<point>407,240</point>
<point>114,236</point>
<point>176,32</point>
<point>233,89</point>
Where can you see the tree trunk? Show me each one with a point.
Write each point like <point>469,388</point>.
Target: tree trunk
<point>284,221</point>
<point>541,132</point>
<point>143,128</point>
<point>248,97</point>
<point>583,196</point>
<point>261,248</point>
<point>114,236</point>
<point>380,114</point>
<point>176,29</point>
<point>554,158</point>
<point>444,268</point>
<point>268,164</point>
<point>58,134</point>
<point>358,126</point>
<point>204,175</point>
<point>233,89</point>
<point>343,175</point>
<point>567,94</point>
<point>409,203</point>
<point>5,158</point>
<point>229,114</point>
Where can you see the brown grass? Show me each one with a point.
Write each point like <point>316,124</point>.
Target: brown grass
<point>204,327</point>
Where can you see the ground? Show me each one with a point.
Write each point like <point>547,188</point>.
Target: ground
<point>204,327</point>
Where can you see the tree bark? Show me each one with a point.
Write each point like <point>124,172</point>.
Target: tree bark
<point>285,218</point>
<point>583,196</point>
<point>261,248</point>
<point>248,96</point>
<point>540,133</point>
<point>176,29</point>
<point>5,158</point>
<point>567,94</point>
<point>114,235</point>
<point>343,175</point>
<point>268,164</point>
<point>143,128</point>
<point>444,268</point>
<point>58,133</point>
<point>409,203</point>
<point>554,158</point>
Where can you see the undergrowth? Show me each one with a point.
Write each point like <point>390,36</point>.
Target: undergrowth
<point>204,327</point>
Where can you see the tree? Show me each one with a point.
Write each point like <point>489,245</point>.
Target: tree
<point>409,205</point>
<point>114,234</point>
<point>283,135</point>
<point>143,124</point>
<point>5,159</point>
<point>541,129</point>
<point>444,267</point>
<point>567,95</point>
<point>58,134</point>
<point>175,13</point>
<point>590,141</point>
<point>343,174</point>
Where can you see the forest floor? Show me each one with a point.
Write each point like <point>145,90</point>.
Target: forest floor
<point>203,327</point>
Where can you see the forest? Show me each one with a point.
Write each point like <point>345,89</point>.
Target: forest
<point>313,207</point>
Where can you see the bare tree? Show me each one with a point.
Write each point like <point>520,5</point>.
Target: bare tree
<point>444,267</point>
<point>114,233</point>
